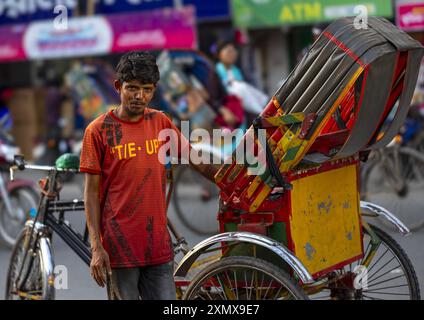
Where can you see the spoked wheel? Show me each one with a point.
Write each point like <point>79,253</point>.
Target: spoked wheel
<point>30,266</point>
<point>196,201</point>
<point>394,179</point>
<point>243,278</point>
<point>11,223</point>
<point>385,273</point>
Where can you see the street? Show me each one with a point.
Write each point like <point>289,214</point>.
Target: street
<point>82,287</point>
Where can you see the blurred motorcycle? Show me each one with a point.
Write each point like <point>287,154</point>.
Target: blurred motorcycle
<point>16,197</point>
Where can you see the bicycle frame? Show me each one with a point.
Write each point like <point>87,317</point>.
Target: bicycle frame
<point>41,228</point>
<point>45,223</point>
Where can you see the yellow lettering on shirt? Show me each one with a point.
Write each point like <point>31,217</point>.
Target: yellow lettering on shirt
<point>156,143</point>
<point>131,150</point>
<point>150,149</point>
<point>119,148</point>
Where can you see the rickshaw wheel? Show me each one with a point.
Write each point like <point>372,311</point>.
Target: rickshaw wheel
<point>243,278</point>
<point>389,275</point>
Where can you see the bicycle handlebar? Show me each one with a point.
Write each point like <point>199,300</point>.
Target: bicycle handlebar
<point>20,164</point>
<point>19,161</point>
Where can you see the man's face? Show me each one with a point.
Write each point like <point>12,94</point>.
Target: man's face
<point>135,96</point>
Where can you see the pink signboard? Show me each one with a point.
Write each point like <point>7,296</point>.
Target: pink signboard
<point>159,29</point>
<point>410,17</point>
<point>11,44</point>
<point>99,35</point>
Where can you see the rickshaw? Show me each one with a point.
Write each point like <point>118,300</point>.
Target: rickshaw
<point>297,229</point>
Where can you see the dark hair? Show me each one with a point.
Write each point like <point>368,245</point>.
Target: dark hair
<point>221,44</point>
<point>138,65</point>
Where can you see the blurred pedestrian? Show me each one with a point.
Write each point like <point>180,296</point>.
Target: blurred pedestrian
<point>56,95</point>
<point>253,100</point>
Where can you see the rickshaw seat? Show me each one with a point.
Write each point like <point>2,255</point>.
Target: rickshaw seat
<point>350,93</point>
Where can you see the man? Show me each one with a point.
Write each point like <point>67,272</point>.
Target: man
<point>125,186</point>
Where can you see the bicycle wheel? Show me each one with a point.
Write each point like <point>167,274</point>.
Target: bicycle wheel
<point>243,278</point>
<point>394,179</point>
<point>388,276</point>
<point>21,200</point>
<point>196,201</point>
<point>38,284</point>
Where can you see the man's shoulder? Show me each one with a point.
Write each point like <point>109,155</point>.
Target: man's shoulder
<point>154,114</point>
<point>98,122</point>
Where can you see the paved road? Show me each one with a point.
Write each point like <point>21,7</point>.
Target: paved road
<point>81,286</point>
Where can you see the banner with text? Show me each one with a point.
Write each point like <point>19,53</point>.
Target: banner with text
<point>99,35</point>
<point>268,13</point>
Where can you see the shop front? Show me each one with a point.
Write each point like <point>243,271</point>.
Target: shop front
<point>280,29</point>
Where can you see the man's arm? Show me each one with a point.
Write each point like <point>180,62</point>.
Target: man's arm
<point>100,259</point>
<point>206,170</point>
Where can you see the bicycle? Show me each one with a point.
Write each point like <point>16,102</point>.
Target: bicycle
<point>394,177</point>
<point>31,271</point>
<point>16,198</point>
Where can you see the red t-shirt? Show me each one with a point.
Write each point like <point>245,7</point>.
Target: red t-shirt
<point>132,187</point>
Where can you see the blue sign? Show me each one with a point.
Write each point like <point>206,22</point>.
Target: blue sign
<point>209,9</point>
<point>206,9</point>
<point>116,6</point>
<point>25,11</point>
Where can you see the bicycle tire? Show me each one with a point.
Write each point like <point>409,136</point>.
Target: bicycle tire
<point>44,287</point>
<point>211,225</point>
<point>395,205</point>
<point>248,263</point>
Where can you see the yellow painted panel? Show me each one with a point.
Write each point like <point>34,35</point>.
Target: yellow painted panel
<point>324,222</point>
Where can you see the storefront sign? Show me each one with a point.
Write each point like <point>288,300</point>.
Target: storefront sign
<point>205,9</point>
<point>266,13</point>
<point>26,11</point>
<point>83,37</point>
<point>11,48</point>
<point>98,35</point>
<point>410,17</point>
<point>158,29</point>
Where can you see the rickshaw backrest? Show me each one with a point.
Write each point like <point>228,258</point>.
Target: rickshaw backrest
<point>350,93</point>
<point>383,62</point>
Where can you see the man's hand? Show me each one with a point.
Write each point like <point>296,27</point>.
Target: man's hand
<point>100,265</point>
